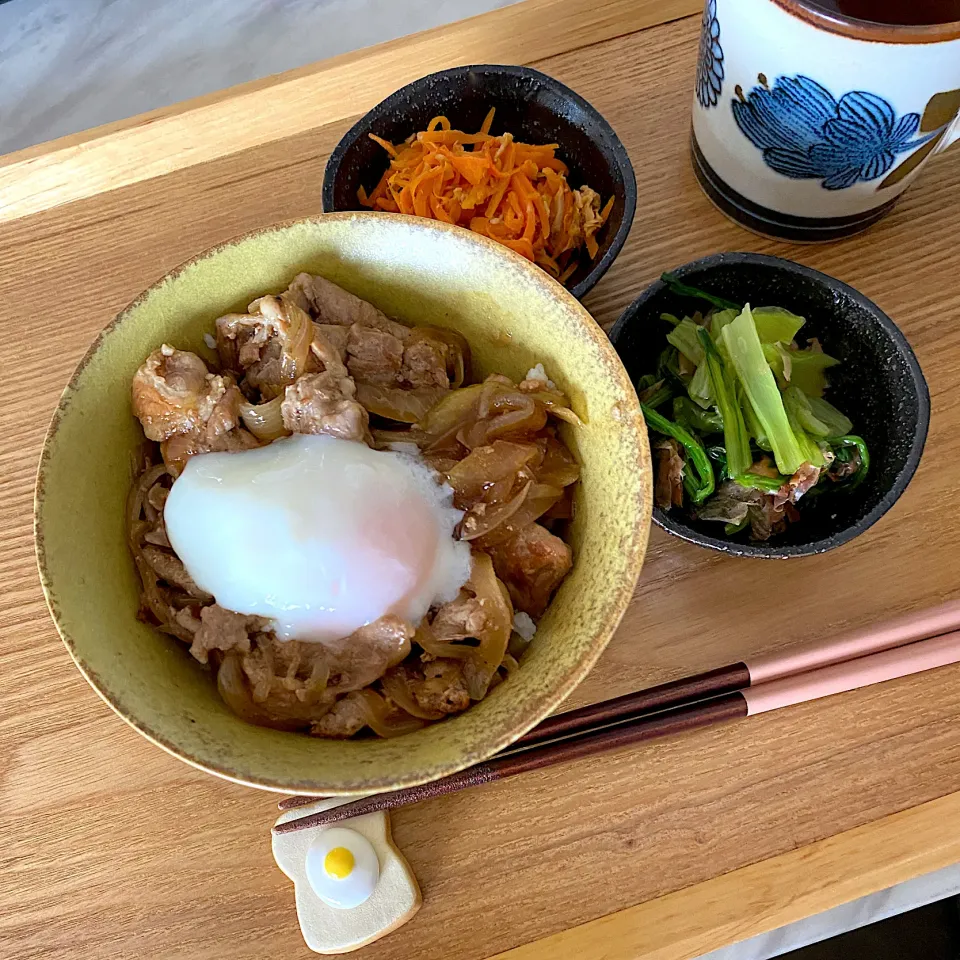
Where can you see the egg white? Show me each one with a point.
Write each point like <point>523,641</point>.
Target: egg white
<point>317,534</point>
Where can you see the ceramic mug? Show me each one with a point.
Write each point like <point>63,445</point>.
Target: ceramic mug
<point>809,125</point>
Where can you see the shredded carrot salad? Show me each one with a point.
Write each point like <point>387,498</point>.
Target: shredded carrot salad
<point>515,193</point>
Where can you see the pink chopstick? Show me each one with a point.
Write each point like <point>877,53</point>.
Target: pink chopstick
<point>902,661</point>
<point>905,629</point>
<point>860,642</point>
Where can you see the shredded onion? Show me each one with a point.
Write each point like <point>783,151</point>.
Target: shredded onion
<point>538,501</point>
<point>404,406</point>
<point>493,644</point>
<point>565,413</point>
<point>517,413</point>
<point>479,523</point>
<point>447,416</point>
<point>509,664</point>
<point>383,438</point>
<point>442,646</point>
<point>264,420</point>
<point>293,360</point>
<point>487,465</point>
<point>558,469</point>
<point>383,721</point>
<point>483,659</point>
<point>395,687</point>
<point>556,404</point>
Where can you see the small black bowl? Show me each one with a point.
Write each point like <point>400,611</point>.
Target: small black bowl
<point>533,107</point>
<point>878,385</point>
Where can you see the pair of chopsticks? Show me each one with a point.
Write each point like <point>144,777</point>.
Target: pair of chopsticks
<point>900,647</point>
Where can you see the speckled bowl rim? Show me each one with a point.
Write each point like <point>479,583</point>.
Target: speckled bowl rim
<point>528,713</point>
<point>678,528</point>
<point>610,143</point>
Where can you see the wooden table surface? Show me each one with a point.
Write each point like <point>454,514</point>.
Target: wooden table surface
<point>114,849</point>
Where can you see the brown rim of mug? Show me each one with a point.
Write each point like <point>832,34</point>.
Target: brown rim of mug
<point>868,30</point>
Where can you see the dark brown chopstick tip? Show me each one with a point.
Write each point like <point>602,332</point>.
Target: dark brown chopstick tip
<point>291,803</point>
<point>675,693</point>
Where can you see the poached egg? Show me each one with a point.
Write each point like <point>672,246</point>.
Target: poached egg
<point>317,534</point>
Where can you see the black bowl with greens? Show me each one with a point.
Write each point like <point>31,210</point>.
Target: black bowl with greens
<point>779,431</point>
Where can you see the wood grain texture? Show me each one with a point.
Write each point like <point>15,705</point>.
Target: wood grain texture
<point>116,850</point>
<point>275,108</point>
<point>768,895</point>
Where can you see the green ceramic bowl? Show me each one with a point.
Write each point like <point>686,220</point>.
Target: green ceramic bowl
<point>514,316</point>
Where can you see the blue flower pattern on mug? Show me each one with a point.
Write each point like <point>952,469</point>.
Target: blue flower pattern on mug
<point>805,133</point>
<point>710,59</point>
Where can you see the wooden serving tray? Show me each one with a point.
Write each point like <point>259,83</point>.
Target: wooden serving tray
<point>114,849</point>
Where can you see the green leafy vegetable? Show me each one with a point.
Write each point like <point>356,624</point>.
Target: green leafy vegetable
<point>816,416</point>
<point>668,366</point>
<point>684,337</point>
<point>776,325</point>
<point>659,397</point>
<point>684,290</point>
<point>736,440</point>
<point>698,482</point>
<point>837,422</point>
<point>720,319</point>
<point>843,447</point>
<point>654,392</point>
<point>692,417</point>
<point>700,389</point>
<point>754,426</point>
<point>718,457</point>
<point>753,481</point>
<point>806,369</point>
<point>753,371</point>
<point>809,447</point>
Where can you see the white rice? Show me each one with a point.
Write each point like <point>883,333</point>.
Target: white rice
<point>524,625</point>
<point>538,373</point>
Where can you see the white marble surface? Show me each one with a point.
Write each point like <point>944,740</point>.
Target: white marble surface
<point>66,65</point>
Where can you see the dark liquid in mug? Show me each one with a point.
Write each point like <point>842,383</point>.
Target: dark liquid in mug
<point>904,12</point>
